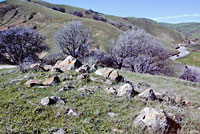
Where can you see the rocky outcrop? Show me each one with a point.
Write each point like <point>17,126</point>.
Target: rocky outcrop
<point>154,120</point>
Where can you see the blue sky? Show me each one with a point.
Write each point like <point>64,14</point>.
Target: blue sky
<point>171,11</point>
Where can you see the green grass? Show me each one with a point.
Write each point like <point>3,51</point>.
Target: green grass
<point>192,59</point>
<point>20,111</point>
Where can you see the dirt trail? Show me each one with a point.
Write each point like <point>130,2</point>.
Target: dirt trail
<point>183,52</point>
<point>7,66</point>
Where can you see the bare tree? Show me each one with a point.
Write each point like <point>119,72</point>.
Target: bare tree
<point>74,39</point>
<point>18,45</point>
<point>138,51</point>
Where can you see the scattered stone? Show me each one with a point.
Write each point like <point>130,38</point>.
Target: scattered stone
<point>178,100</point>
<point>71,112</point>
<point>95,79</point>
<point>85,91</point>
<point>60,131</point>
<point>81,76</point>
<point>83,69</point>
<point>187,103</point>
<point>51,81</point>
<point>37,67</point>
<point>51,100</point>
<point>152,119</point>
<point>93,68</point>
<point>47,101</point>
<point>108,82</point>
<point>148,94</point>
<point>34,82</point>
<point>142,86</point>
<point>117,131</point>
<point>65,88</point>
<point>112,114</point>
<point>69,63</point>
<point>198,108</point>
<point>110,90</point>
<point>126,90</point>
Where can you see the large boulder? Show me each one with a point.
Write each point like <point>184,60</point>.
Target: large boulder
<point>154,120</point>
<point>33,82</point>
<point>126,90</point>
<point>69,63</point>
<point>108,73</point>
<point>51,81</point>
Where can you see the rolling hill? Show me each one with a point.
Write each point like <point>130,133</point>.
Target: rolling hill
<point>47,19</point>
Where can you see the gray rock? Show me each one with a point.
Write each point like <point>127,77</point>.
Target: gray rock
<point>82,76</point>
<point>112,114</point>
<point>148,94</point>
<point>60,131</point>
<point>153,119</point>
<point>71,112</point>
<point>126,90</point>
<point>51,100</point>
<point>110,90</point>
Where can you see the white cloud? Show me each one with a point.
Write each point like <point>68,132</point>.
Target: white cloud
<point>175,17</point>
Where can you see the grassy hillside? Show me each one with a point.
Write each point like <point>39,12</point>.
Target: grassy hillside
<point>21,111</point>
<point>192,30</point>
<point>49,21</point>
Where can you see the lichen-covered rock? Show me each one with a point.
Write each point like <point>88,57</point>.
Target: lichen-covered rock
<point>108,73</point>
<point>51,81</point>
<point>154,120</point>
<point>71,112</point>
<point>82,76</point>
<point>34,82</point>
<point>69,63</point>
<point>47,67</point>
<point>126,90</point>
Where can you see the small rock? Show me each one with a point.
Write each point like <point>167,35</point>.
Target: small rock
<point>95,79</point>
<point>152,119</point>
<point>37,67</point>
<point>85,91</point>
<point>60,131</point>
<point>51,100</point>
<point>111,114</point>
<point>82,76</point>
<point>83,69</point>
<point>51,81</point>
<point>34,82</point>
<point>117,131</point>
<point>148,94</point>
<point>110,90</point>
<point>71,112</point>
<point>178,100</point>
<point>47,101</point>
<point>126,90</point>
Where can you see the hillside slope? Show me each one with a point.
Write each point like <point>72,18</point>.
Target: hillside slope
<point>41,16</point>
